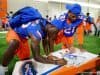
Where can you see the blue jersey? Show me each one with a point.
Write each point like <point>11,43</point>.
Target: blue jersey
<point>58,23</point>
<point>70,29</point>
<point>89,19</point>
<point>61,24</point>
<point>22,23</point>
<point>30,29</point>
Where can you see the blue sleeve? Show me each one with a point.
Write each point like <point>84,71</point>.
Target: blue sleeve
<point>35,32</point>
<point>44,22</point>
<point>57,23</point>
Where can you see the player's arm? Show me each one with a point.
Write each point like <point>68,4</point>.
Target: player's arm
<point>52,33</point>
<point>45,45</point>
<point>35,46</point>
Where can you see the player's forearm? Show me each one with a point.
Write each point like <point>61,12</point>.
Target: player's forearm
<point>44,60</point>
<point>45,46</point>
<point>51,45</point>
<point>37,56</point>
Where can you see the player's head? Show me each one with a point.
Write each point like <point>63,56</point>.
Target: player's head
<point>87,13</point>
<point>74,11</point>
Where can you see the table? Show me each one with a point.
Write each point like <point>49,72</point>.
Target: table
<point>89,63</point>
<point>72,70</point>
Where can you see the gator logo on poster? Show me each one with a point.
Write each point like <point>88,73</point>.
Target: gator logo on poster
<point>28,69</point>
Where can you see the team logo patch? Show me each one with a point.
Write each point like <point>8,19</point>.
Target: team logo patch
<point>62,17</point>
<point>28,69</point>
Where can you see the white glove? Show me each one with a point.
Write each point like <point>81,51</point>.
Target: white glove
<point>3,70</point>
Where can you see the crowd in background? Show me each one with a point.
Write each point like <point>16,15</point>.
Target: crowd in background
<point>4,24</point>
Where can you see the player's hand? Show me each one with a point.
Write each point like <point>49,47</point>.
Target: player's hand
<point>83,50</point>
<point>50,57</point>
<point>61,62</point>
<point>58,61</point>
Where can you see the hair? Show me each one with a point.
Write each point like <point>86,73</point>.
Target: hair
<point>11,12</point>
<point>47,16</point>
<point>87,13</point>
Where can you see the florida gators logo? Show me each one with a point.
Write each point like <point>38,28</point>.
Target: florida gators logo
<point>28,69</point>
<point>61,17</point>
